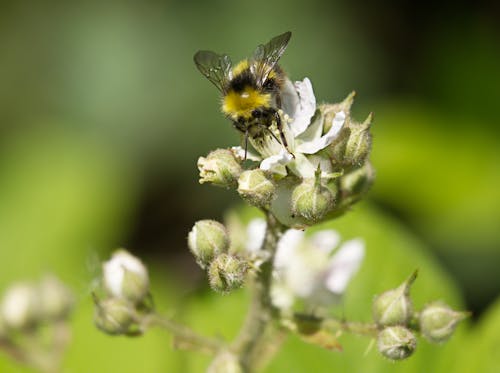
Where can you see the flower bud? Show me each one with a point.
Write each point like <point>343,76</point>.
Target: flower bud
<point>359,144</point>
<point>256,188</point>
<point>312,200</point>
<point>394,307</point>
<point>20,307</point>
<point>227,273</point>
<point>225,362</point>
<point>438,322</point>
<point>207,239</point>
<point>114,315</point>
<point>56,300</point>
<point>126,277</point>
<point>220,168</point>
<point>396,342</point>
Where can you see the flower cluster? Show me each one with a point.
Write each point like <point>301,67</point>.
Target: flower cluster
<point>323,170</point>
<point>34,322</point>
<point>125,298</point>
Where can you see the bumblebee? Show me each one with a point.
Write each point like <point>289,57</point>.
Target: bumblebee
<point>251,90</point>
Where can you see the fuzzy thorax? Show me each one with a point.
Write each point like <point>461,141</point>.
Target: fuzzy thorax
<point>241,104</point>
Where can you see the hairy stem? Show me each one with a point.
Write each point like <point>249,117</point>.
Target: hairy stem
<point>257,330</point>
<point>184,337</point>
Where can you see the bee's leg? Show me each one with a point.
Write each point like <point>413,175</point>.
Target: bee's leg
<point>246,145</point>
<point>279,124</point>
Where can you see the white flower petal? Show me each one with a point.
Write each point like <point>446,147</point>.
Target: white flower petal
<point>256,232</point>
<point>114,271</point>
<point>316,145</point>
<point>306,107</point>
<point>276,163</point>
<point>344,264</point>
<point>325,240</point>
<point>287,247</point>
<point>281,295</point>
<point>239,152</point>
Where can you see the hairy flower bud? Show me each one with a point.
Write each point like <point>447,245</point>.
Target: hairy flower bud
<point>312,200</point>
<point>56,300</point>
<point>126,277</point>
<point>358,144</point>
<point>256,188</point>
<point>114,315</point>
<point>438,322</point>
<point>394,307</point>
<point>20,307</point>
<point>207,239</point>
<point>396,342</point>
<point>220,168</point>
<point>225,362</point>
<point>227,273</point>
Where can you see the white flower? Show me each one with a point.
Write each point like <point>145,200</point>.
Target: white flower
<point>315,269</point>
<point>125,276</point>
<point>303,132</point>
<point>20,306</point>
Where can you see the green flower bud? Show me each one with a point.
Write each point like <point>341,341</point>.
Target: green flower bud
<point>220,168</point>
<point>256,188</point>
<point>207,239</point>
<point>225,362</point>
<point>20,308</point>
<point>396,342</point>
<point>114,316</point>
<point>56,300</point>
<point>227,273</point>
<point>312,200</point>
<point>359,144</point>
<point>394,307</point>
<point>125,276</point>
<point>438,322</point>
<point>354,185</point>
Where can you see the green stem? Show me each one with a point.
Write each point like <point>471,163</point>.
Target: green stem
<point>185,337</point>
<point>250,344</point>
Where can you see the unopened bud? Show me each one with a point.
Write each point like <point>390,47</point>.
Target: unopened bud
<point>396,342</point>
<point>438,322</point>
<point>225,362</point>
<point>256,188</point>
<point>126,277</point>
<point>207,239</point>
<point>220,168</point>
<point>356,183</point>
<point>359,143</point>
<point>312,200</point>
<point>56,300</point>
<point>114,316</point>
<point>20,307</point>
<point>394,307</point>
<point>227,273</point>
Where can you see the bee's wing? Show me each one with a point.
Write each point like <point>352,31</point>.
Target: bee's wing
<point>266,56</point>
<point>214,67</point>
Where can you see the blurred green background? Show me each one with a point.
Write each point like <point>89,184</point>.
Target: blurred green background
<point>103,116</point>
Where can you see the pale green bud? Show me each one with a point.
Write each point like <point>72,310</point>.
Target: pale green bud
<point>20,308</point>
<point>359,144</point>
<point>438,322</point>
<point>256,188</point>
<point>220,168</point>
<point>355,184</point>
<point>207,239</point>
<point>312,200</point>
<point>225,362</point>
<point>394,307</point>
<point>396,342</point>
<point>114,316</point>
<point>125,276</point>
<point>56,300</point>
<point>226,273</point>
